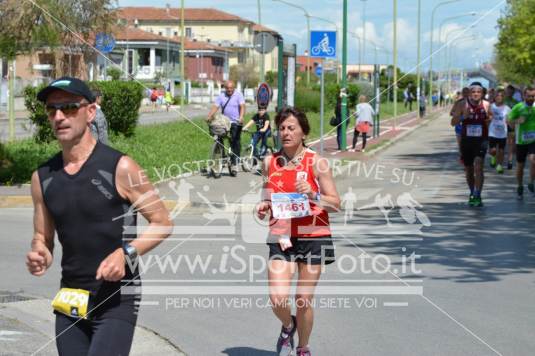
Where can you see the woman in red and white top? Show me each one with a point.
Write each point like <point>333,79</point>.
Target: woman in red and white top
<point>298,193</point>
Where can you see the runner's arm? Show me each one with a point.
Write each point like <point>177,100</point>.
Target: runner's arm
<point>132,184</point>
<point>40,257</point>
<point>263,207</point>
<point>456,113</point>
<point>329,200</point>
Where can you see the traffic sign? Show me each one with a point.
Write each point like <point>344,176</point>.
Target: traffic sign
<point>323,44</point>
<point>319,70</point>
<point>263,95</point>
<point>104,42</point>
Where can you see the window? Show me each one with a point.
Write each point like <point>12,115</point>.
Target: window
<point>188,32</point>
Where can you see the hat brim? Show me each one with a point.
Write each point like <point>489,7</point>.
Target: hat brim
<point>45,92</point>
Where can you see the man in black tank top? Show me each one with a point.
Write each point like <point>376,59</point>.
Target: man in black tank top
<point>87,193</point>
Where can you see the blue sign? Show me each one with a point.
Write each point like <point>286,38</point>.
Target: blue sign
<point>319,69</point>
<point>323,44</point>
<point>104,42</point>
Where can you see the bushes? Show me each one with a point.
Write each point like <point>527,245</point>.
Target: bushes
<point>38,116</point>
<point>114,73</point>
<point>307,100</point>
<point>120,104</point>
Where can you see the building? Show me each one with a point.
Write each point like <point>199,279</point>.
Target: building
<point>205,61</point>
<point>302,62</point>
<point>233,34</point>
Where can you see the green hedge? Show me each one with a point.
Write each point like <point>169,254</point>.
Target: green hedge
<point>307,100</point>
<point>120,104</point>
<point>38,117</point>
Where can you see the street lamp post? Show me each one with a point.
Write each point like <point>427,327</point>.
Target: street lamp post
<point>262,55</point>
<point>431,47</point>
<point>418,56</point>
<point>395,50</point>
<point>363,48</point>
<point>344,76</point>
<point>182,49</point>
<point>307,16</point>
<point>451,47</point>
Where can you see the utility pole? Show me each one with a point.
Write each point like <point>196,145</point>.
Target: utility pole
<point>418,57</point>
<point>11,98</point>
<point>182,45</point>
<point>344,77</point>
<point>395,50</point>
<point>262,55</point>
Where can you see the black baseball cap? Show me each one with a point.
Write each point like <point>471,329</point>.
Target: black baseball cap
<point>70,85</point>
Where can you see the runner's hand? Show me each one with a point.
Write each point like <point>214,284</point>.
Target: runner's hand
<point>285,243</point>
<point>38,260</point>
<point>262,209</point>
<point>302,187</point>
<point>113,267</point>
<point>521,120</point>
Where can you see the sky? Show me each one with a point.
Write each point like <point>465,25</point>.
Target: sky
<point>474,44</point>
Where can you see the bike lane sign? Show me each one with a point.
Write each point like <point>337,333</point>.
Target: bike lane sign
<point>323,44</point>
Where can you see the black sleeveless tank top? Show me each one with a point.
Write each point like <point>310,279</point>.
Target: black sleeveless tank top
<point>90,217</point>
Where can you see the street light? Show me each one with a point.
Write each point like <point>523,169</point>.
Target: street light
<point>431,46</point>
<point>472,13</point>
<point>307,16</point>
<point>182,45</point>
<point>451,47</point>
<point>363,48</point>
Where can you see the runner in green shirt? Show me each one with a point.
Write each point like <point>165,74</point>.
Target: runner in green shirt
<point>523,117</point>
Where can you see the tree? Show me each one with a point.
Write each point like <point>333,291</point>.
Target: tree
<point>515,49</point>
<point>52,25</point>
<point>246,74</point>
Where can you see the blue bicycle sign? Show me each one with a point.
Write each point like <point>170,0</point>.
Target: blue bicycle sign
<point>104,42</point>
<point>323,44</point>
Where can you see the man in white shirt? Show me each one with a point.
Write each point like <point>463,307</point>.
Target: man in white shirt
<point>364,121</point>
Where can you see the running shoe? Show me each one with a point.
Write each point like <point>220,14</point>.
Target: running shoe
<point>285,343</point>
<point>520,192</point>
<point>509,165</point>
<point>499,169</point>
<point>363,150</point>
<point>531,188</point>
<point>471,200</point>
<point>303,351</point>
<point>492,161</point>
<point>478,202</point>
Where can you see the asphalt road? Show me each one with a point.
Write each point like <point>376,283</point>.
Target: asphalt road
<point>470,290</point>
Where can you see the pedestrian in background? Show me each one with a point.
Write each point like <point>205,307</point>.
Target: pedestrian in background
<point>363,122</point>
<point>99,125</point>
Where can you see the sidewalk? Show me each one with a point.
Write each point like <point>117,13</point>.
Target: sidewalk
<point>27,325</point>
<point>207,189</point>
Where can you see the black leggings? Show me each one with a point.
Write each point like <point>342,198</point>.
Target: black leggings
<point>104,337</point>
<point>235,142</point>
<point>356,137</point>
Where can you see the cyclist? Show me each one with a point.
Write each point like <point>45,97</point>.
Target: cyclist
<point>523,117</point>
<point>498,130</point>
<point>82,194</point>
<point>263,130</point>
<point>300,239</point>
<point>474,116</point>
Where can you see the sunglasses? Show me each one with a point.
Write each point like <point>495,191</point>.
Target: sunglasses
<point>68,109</point>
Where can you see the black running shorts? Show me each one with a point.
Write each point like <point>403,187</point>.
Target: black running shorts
<point>313,251</point>
<point>472,148</point>
<point>522,152</point>
<point>497,142</point>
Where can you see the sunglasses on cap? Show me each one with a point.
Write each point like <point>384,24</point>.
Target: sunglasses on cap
<point>68,109</point>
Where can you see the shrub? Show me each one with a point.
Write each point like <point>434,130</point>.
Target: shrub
<point>38,116</point>
<point>120,104</point>
<point>307,100</point>
<point>114,73</point>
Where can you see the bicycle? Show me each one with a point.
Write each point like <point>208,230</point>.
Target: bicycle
<point>319,49</point>
<point>218,154</point>
<point>250,161</point>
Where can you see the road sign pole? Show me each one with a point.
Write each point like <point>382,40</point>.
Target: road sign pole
<point>322,102</point>
<point>11,98</point>
<point>344,77</point>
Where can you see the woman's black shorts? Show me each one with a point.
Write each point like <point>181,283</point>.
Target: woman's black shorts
<point>313,250</point>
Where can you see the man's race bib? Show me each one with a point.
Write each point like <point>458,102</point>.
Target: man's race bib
<point>529,136</point>
<point>72,302</point>
<point>474,130</point>
<point>289,205</point>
